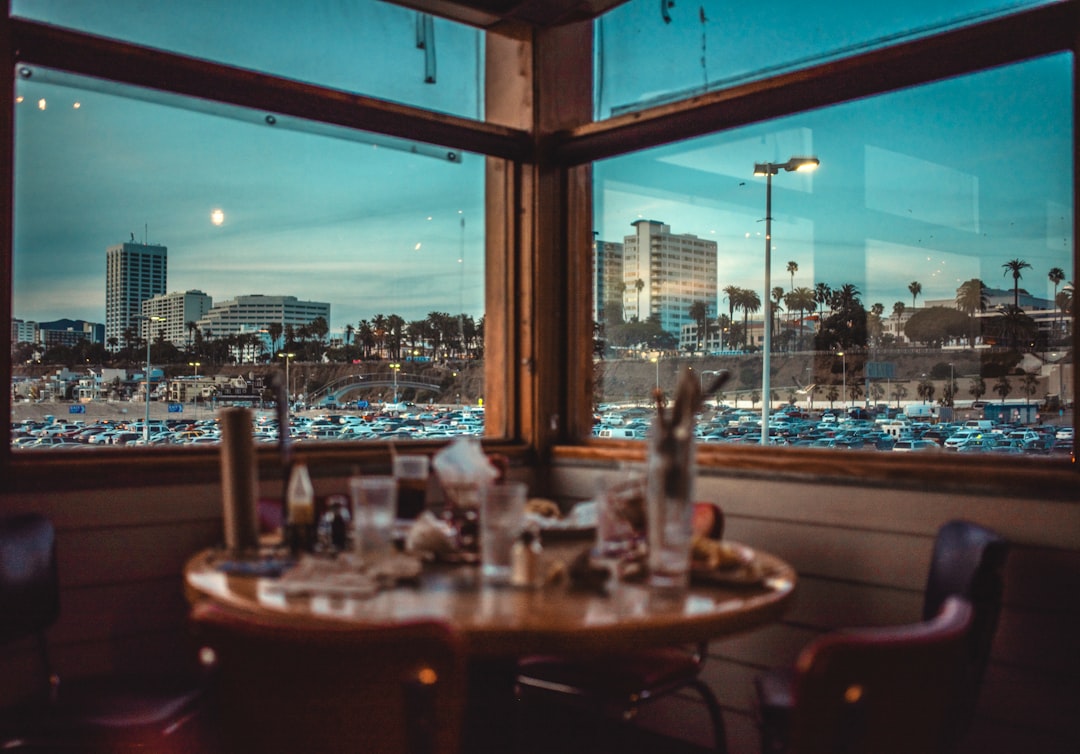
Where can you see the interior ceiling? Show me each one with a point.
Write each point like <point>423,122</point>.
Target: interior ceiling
<point>488,14</point>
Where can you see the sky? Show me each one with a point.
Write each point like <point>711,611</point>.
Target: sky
<point>936,184</point>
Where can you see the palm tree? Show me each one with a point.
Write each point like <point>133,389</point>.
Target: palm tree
<point>977,387</point>
<point>1056,275</point>
<point>802,300</point>
<point>971,299</point>
<point>1002,387</point>
<point>1015,266</point>
<point>731,294</point>
<point>777,297</point>
<point>914,288</point>
<point>822,295</point>
<point>749,301</point>
<point>699,312</point>
<point>349,330</point>
<point>275,330</point>
<point>639,284</point>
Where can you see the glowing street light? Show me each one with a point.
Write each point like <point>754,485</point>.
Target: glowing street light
<point>395,368</point>
<point>195,364</point>
<point>288,384</point>
<point>844,393</point>
<point>656,360</point>
<point>769,169</point>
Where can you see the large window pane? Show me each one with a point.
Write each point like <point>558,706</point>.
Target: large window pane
<point>367,47</point>
<point>926,203</point>
<point>649,52</point>
<point>245,237</point>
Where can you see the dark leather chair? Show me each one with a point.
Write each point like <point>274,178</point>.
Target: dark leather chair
<point>967,561</point>
<point>619,684</point>
<point>293,684</point>
<point>99,713</point>
<point>881,690</point>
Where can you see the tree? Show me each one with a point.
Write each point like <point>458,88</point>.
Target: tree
<point>935,325</point>
<point>1056,275</point>
<point>925,390</point>
<point>846,326</point>
<point>1002,387</point>
<point>699,312</point>
<point>1015,267</point>
<point>639,284</point>
<point>915,288</point>
<point>777,297</point>
<point>898,309</point>
<point>275,330</point>
<point>899,393</point>
<point>792,268</point>
<point>822,295</point>
<point>748,301</point>
<point>971,299</point>
<point>801,300</point>
<point>831,394</point>
<point>977,387</point>
<point>1030,385</point>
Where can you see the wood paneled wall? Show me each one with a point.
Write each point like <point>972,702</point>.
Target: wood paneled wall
<point>862,555</point>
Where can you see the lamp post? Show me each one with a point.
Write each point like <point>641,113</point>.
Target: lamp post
<point>843,394</point>
<point>395,368</point>
<point>656,360</point>
<point>288,383</point>
<point>195,398</point>
<point>146,419</point>
<point>769,169</point>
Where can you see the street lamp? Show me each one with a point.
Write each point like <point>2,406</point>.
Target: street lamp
<point>395,368</point>
<point>288,384</point>
<point>656,360</point>
<point>769,169</point>
<point>195,364</point>
<point>195,398</point>
<point>843,394</point>
<point>146,421</point>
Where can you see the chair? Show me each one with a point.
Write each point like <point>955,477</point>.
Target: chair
<point>287,684</point>
<point>967,561</point>
<point>98,713</point>
<point>881,690</point>
<point>621,683</point>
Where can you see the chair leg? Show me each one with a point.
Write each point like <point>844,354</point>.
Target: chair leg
<point>715,713</point>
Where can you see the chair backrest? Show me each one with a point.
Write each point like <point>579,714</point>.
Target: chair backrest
<point>29,586</point>
<point>289,684</point>
<point>968,562</point>
<point>881,690</point>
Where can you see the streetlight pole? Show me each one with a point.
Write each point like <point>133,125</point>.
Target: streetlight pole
<point>288,383</point>
<point>394,368</point>
<point>656,360</point>
<point>146,419</point>
<point>843,394</point>
<point>769,169</point>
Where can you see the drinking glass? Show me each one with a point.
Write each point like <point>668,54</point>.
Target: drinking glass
<point>502,517</point>
<point>620,524</point>
<point>374,500</point>
<point>411,472</point>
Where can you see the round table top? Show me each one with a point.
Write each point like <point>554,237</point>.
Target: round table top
<point>502,621</point>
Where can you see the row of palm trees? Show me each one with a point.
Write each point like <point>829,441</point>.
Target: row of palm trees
<point>970,298</point>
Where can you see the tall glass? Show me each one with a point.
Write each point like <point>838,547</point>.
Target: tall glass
<point>670,510</point>
<point>502,518</point>
<point>374,500</point>
<point>411,472</point>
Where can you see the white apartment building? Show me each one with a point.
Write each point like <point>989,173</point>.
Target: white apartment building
<point>134,273</point>
<point>665,274</point>
<point>257,312</point>
<point>607,281</point>
<point>173,312</point>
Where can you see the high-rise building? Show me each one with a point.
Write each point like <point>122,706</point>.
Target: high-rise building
<point>665,274</point>
<point>173,312</point>
<point>134,273</point>
<point>607,281</point>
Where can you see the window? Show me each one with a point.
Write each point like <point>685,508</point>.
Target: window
<point>892,289</point>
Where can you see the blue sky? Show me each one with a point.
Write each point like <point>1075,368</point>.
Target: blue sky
<point>937,184</point>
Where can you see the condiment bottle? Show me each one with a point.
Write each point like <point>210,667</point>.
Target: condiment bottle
<point>525,559</point>
<point>300,508</point>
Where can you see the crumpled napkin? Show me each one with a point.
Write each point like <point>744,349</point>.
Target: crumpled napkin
<point>463,468</point>
<point>429,537</point>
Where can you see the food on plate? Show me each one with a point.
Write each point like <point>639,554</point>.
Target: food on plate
<point>714,554</point>
<point>539,506</point>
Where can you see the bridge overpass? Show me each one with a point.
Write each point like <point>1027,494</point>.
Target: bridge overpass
<point>336,391</point>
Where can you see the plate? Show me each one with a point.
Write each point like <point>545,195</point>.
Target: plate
<point>747,570</point>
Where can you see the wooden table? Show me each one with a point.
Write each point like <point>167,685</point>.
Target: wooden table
<point>505,622</point>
